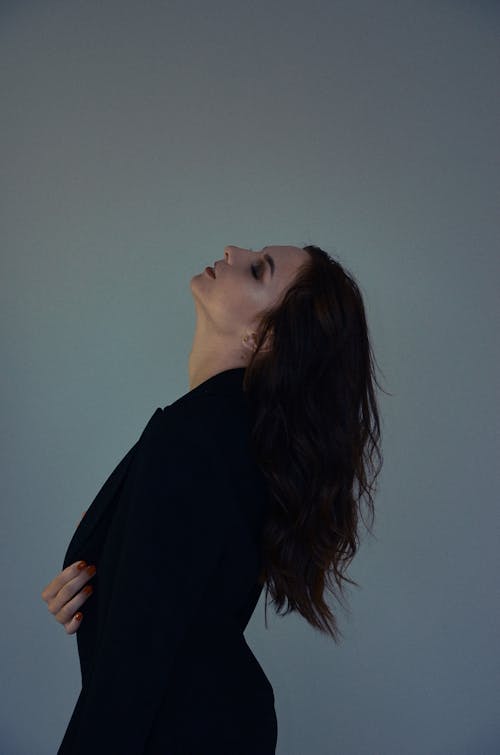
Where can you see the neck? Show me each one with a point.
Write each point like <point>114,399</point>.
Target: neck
<point>212,353</point>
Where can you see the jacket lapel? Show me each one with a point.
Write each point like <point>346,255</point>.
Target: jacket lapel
<point>227,382</point>
<point>102,501</point>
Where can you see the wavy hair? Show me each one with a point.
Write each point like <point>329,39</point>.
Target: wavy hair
<point>315,435</point>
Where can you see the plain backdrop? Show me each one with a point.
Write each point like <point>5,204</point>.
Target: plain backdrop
<point>140,138</point>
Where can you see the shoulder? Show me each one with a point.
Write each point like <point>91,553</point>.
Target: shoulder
<point>202,429</point>
<point>208,418</point>
<point>186,428</point>
<point>182,465</point>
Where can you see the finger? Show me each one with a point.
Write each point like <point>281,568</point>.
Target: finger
<point>72,625</point>
<point>67,592</point>
<point>67,611</point>
<point>67,574</point>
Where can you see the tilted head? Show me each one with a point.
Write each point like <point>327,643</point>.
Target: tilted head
<point>243,285</point>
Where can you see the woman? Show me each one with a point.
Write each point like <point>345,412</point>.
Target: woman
<point>246,480</point>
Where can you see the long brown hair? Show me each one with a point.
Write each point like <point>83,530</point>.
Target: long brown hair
<point>315,434</point>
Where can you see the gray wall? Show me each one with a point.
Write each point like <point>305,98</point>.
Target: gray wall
<point>137,140</point>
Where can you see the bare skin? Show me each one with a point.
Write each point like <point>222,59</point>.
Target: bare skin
<point>65,594</point>
<point>228,306</point>
<point>228,309</point>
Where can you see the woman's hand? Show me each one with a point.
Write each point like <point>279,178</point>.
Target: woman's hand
<point>66,593</point>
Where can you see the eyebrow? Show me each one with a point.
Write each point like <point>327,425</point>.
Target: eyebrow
<point>270,260</point>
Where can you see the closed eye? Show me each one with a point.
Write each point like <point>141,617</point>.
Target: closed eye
<point>256,270</point>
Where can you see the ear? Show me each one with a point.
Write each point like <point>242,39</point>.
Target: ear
<point>249,342</point>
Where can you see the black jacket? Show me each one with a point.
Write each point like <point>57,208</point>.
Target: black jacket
<point>174,533</point>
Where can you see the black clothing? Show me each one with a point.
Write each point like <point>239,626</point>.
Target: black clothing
<point>174,533</point>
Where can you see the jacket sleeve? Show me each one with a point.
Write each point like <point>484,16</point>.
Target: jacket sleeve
<point>178,523</point>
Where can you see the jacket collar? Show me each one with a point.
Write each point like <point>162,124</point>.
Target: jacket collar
<point>222,383</point>
<point>227,382</point>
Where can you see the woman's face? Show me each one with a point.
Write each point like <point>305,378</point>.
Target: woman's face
<point>245,283</point>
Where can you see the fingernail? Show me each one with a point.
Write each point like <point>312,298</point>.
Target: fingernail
<point>78,616</point>
<point>88,589</point>
<point>81,565</point>
<point>91,569</point>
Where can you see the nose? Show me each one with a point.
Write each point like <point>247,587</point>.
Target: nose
<point>229,251</point>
